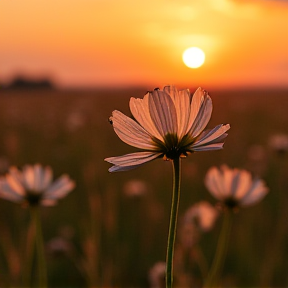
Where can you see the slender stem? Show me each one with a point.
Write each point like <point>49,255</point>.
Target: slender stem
<point>220,255</point>
<point>39,247</point>
<point>30,250</point>
<point>173,222</point>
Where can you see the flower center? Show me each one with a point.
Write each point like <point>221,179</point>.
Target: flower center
<point>33,198</point>
<point>173,148</point>
<point>231,203</point>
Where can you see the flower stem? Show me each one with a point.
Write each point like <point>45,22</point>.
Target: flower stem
<point>173,222</point>
<point>220,255</point>
<point>29,253</point>
<point>35,216</point>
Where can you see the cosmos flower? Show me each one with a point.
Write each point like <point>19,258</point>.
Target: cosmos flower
<point>203,214</point>
<point>169,124</point>
<point>157,275</point>
<point>199,218</point>
<point>279,143</point>
<point>33,185</point>
<point>135,188</point>
<point>234,187</point>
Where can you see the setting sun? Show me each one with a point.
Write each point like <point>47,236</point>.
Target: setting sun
<point>193,57</point>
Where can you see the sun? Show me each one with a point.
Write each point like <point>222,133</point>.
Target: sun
<point>193,57</point>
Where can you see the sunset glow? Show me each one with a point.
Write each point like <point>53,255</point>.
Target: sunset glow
<point>193,57</point>
<point>112,43</point>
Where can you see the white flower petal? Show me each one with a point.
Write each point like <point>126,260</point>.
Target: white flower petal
<point>163,112</point>
<point>16,174</point>
<point>214,136</point>
<point>244,183</point>
<point>181,101</point>
<point>214,183</point>
<point>257,191</point>
<point>227,179</point>
<point>130,161</point>
<point>201,110</point>
<point>47,177</point>
<point>6,192</point>
<point>29,177</point>
<point>140,110</point>
<point>60,188</point>
<point>208,147</point>
<point>130,132</point>
<point>38,174</point>
<point>15,185</point>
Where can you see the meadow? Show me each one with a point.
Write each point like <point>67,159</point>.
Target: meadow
<point>104,234</point>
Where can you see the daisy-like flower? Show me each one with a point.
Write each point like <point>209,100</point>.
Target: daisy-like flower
<point>157,275</point>
<point>34,186</point>
<point>169,124</point>
<point>279,143</point>
<point>203,214</point>
<point>233,187</point>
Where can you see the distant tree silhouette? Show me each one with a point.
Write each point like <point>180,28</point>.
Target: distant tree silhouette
<point>20,82</point>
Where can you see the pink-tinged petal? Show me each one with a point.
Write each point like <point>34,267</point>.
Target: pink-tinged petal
<point>29,177</point>
<point>140,110</point>
<point>213,139</point>
<point>60,188</point>
<point>181,101</point>
<point>130,132</point>
<point>214,183</point>
<point>163,112</point>
<point>216,144</point>
<point>228,177</point>
<point>208,147</point>
<point>244,182</point>
<point>15,173</point>
<point>256,193</point>
<point>6,192</point>
<point>38,172</point>
<point>46,179</point>
<point>201,110</point>
<point>130,161</point>
<point>15,185</point>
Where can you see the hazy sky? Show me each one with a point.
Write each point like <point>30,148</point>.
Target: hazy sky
<point>128,42</point>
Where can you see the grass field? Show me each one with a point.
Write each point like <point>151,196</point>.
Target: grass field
<point>111,238</point>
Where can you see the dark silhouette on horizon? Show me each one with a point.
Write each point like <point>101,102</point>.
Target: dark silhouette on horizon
<point>21,82</point>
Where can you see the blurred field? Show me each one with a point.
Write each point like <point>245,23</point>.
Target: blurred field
<point>114,239</point>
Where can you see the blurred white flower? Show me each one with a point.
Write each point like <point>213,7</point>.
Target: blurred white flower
<point>169,124</point>
<point>203,214</point>
<point>33,186</point>
<point>157,275</point>
<point>134,188</point>
<point>279,143</point>
<point>234,187</point>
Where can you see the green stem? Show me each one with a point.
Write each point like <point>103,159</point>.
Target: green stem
<point>35,213</point>
<point>220,255</point>
<point>173,222</point>
<point>29,253</point>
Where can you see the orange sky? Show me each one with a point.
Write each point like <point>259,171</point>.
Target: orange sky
<point>128,42</point>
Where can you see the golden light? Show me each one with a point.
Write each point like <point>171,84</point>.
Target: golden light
<point>193,57</point>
